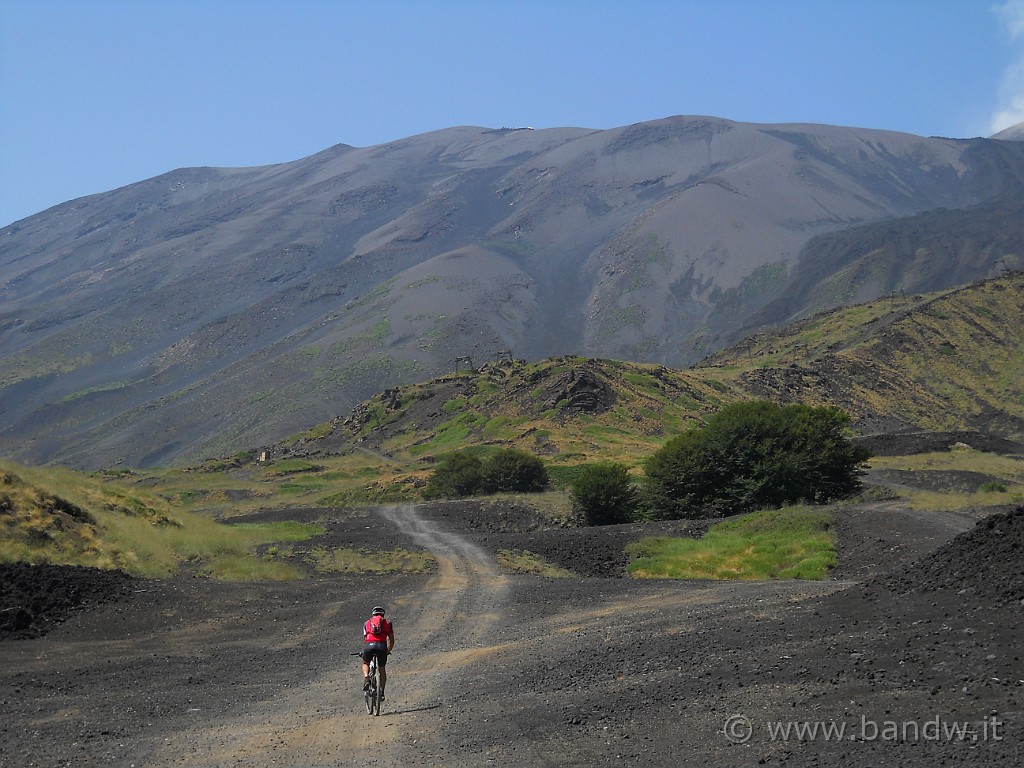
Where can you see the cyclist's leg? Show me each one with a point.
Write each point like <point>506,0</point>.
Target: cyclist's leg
<point>382,663</point>
<point>366,668</point>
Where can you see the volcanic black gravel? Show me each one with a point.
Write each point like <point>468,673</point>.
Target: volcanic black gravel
<point>907,443</point>
<point>985,563</point>
<point>33,598</point>
<point>573,672</point>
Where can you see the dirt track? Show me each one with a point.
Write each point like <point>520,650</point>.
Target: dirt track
<point>497,669</point>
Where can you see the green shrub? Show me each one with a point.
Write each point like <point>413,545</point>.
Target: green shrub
<point>993,486</point>
<point>460,474</point>
<point>754,455</point>
<point>514,471</point>
<point>604,494</point>
<point>464,474</point>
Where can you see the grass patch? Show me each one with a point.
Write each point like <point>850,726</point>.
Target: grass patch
<point>497,427</point>
<point>455,405</point>
<point>790,543</point>
<point>1008,469</point>
<point>292,466</point>
<point>248,568</point>
<point>1006,487</point>
<point>929,501</point>
<point>524,561</point>
<point>315,433</point>
<point>300,487</point>
<point>63,517</point>
<point>385,489</point>
<point>218,549</point>
<point>344,560</point>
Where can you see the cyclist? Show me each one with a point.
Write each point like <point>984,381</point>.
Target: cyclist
<point>379,637</point>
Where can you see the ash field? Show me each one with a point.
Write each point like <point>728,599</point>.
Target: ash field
<point>909,655</point>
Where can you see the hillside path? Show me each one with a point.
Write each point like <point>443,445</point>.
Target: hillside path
<point>324,723</point>
<point>488,669</point>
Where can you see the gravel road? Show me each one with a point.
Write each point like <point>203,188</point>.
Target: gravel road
<point>493,668</point>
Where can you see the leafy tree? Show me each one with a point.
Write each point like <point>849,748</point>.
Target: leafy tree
<point>460,474</point>
<point>514,470</point>
<point>463,474</point>
<point>604,494</point>
<point>754,455</point>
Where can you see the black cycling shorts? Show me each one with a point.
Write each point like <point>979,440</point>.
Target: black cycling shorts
<point>378,649</point>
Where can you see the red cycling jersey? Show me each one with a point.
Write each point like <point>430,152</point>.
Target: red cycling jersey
<point>386,631</point>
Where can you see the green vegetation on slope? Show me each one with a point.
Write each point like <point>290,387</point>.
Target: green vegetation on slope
<point>60,516</point>
<point>790,543</point>
<point>347,560</point>
<point>953,360</point>
<point>950,360</point>
<point>944,361</point>
<point>1005,483</point>
<point>564,408</point>
<point>524,561</point>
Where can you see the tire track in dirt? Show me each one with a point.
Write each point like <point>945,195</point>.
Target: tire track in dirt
<point>466,593</point>
<point>443,628</point>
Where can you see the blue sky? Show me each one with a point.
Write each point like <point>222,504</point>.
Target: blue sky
<point>98,94</point>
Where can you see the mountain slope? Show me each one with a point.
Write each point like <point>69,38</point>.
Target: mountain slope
<point>209,309</point>
<point>563,408</point>
<point>1013,133</point>
<point>949,361</point>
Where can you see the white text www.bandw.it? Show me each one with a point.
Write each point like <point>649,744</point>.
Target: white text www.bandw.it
<point>932,729</point>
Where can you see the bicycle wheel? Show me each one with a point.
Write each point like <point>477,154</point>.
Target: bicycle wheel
<point>370,695</point>
<point>369,698</point>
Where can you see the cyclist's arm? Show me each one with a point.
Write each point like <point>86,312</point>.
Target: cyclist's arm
<point>391,640</point>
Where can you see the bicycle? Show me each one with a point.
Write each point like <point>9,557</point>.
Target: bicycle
<point>371,695</point>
